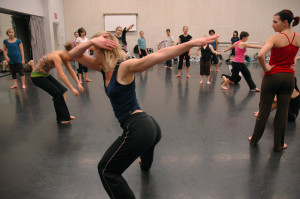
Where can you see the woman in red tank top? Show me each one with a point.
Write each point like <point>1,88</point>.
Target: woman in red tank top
<point>279,77</point>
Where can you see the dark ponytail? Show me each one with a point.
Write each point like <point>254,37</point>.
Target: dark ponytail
<point>296,21</point>
<point>289,16</point>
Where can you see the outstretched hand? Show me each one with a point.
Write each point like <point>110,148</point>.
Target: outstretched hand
<point>205,40</point>
<point>103,42</point>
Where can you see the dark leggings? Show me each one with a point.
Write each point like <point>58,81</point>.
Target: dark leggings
<point>237,80</point>
<point>14,68</point>
<point>143,53</point>
<point>82,69</point>
<point>187,60</point>
<point>56,90</point>
<point>169,63</point>
<point>140,135</point>
<point>205,67</point>
<point>282,85</point>
<point>241,67</point>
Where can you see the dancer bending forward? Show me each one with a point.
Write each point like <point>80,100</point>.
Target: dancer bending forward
<point>40,77</point>
<point>140,131</point>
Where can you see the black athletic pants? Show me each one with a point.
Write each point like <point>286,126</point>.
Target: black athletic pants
<point>56,90</point>
<point>241,67</point>
<point>143,53</point>
<point>140,135</point>
<point>187,60</point>
<point>82,69</point>
<point>169,63</point>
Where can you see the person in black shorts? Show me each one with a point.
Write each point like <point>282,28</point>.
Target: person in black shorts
<point>185,37</point>
<point>205,61</point>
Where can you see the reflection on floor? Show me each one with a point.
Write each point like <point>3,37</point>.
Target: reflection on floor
<point>204,152</point>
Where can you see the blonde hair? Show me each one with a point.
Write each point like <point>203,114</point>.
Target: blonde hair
<point>8,30</point>
<point>185,27</point>
<point>108,57</point>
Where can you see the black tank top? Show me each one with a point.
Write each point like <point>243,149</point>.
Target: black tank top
<point>206,53</point>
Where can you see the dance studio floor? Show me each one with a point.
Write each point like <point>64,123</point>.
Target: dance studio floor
<point>204,152</point>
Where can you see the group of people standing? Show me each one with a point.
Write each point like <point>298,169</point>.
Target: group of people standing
<point>141,132</point>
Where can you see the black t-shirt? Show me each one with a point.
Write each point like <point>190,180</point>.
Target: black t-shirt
<point>234,39</point>
<point>185,38</point>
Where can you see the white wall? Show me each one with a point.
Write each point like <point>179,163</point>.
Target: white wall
<point>31,7</point>
<point>155,16</point>
<point>5,23</point>
<point>46,9</point>
<point>51,7</point>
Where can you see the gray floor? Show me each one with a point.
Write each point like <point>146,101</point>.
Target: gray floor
<point>204,152</point>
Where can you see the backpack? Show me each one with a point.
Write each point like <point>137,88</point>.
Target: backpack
<point>136,49</point>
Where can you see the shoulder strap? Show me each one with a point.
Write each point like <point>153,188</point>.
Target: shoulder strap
<point>286,37</point>
<point>293,37</point>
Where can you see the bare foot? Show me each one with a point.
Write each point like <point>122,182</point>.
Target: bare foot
<point>218,70</point>
<point>188,76</point>
<point>14,86</point>
<point>23,86</point>
<point>224,87</point>
<point>171,67</point>
<point>88,80</point>
<point>256,113</point>
<point>65,122</point>
<point>208,82</point>
<point>177,76</point>
<point>166,66</point>
<point>255,90</point>
<point>249,138</point>
<point>80,82</point>
<point>201,82</point>
<point>283,147</point>
<point>72,117</point>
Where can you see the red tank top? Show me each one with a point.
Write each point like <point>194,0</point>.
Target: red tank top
<point>283,58</point>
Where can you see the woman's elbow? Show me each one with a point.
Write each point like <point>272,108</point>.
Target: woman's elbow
<point>260,55</point>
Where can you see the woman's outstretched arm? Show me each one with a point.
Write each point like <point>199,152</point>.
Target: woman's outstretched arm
<point>246,45</point>
<point>230,47</point>
<point>138,65</point>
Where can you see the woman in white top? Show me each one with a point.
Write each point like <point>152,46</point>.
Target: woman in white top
<point>82,68</point>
